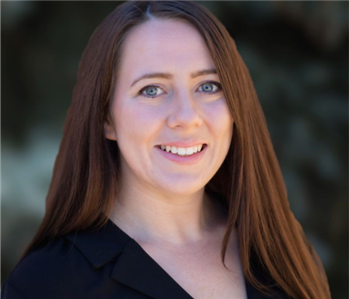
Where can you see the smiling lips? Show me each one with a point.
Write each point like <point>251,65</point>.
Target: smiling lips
<point>183,155</point>
<point>182,151</point>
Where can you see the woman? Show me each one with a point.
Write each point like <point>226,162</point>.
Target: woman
<point>166,184</point>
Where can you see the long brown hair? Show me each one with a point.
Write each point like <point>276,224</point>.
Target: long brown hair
<point>85,176</point>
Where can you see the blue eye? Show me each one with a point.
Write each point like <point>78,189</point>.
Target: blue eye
<point>150,91</point>
<point>210,87</point>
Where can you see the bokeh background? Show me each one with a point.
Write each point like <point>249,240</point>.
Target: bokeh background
<point>297,54</point>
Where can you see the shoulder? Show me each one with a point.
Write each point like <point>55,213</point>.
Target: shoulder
<point>52,269</point>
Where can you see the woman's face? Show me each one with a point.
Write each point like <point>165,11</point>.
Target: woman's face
<point>168,96</point>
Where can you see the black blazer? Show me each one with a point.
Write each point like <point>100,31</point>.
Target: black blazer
<point>102,264</point>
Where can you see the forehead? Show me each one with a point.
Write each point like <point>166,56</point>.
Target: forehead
<point>164,43</point>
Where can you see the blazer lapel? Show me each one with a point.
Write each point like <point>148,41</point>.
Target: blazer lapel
<point>133,266</point>
<point>136,269</point>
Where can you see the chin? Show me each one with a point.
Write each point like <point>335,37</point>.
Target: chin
<point>182,185</point>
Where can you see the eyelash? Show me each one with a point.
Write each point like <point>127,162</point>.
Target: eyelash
<point>153,85</point>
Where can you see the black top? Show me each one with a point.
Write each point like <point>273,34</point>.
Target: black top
<point>105,263</point>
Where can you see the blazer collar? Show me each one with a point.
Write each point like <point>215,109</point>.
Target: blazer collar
<point>100,246</point>
<point>133,266</point>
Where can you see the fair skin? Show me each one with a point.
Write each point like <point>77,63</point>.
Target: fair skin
<point>162,203</point>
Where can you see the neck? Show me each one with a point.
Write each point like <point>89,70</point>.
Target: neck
<point>176,219</point>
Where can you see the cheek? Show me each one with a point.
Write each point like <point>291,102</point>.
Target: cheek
<point>137,121</point>
<point>220,119</point>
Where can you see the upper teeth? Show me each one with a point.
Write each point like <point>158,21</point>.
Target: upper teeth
<point>181,150</point>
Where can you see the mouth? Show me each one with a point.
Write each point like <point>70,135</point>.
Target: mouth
<point>182,151</point>
<point>184,156</point>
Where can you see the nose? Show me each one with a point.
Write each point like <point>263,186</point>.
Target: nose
<point>185,112</point>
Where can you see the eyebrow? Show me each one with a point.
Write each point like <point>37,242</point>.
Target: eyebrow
<point>169,76</point>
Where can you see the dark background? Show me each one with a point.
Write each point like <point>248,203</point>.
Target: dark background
<point>297,54</point>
